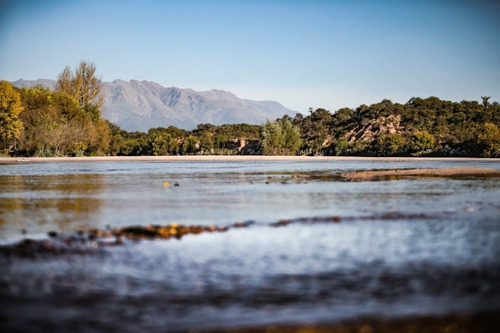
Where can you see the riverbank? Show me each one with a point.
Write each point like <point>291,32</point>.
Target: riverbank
<point>230,158</point>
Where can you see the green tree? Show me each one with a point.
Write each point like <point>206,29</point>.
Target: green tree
<point>219,141</point>
<point>292,138</point>
<point>206,142</point>
<point>341,146</point>
<point>422,142</point>
<point>10,108</point>
<point>315,131</point>
<point>272,138</point>
<point>485,100</point>
<point>160,144</point>
<point>489,139</point>
<point>190,145</point>
<point>116,144</point>
<point>280,137</point>
<point>390,144</point>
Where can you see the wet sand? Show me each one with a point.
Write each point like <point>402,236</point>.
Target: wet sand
<point>414,173</point>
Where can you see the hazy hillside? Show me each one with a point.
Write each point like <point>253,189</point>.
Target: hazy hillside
<point>141,105</point>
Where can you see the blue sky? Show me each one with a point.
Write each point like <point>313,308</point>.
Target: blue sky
<point>313,53</point>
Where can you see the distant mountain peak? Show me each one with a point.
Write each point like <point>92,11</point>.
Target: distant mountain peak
<point>140,105</point>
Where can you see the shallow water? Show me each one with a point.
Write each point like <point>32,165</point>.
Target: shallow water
<point>414,246</point>
<point>37,198</point>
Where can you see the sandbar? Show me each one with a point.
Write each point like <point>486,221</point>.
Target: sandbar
<point>417,173</point>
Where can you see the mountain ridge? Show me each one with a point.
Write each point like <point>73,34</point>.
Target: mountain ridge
<point>140,105</point>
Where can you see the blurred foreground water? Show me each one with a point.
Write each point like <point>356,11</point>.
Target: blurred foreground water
<point>403,247</point>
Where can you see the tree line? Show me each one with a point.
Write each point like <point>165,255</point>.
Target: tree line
<point>67,122</point>
<point>420,127</point>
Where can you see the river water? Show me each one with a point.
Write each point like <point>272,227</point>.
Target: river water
<point>402,247</point>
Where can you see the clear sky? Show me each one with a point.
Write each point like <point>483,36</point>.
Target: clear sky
<point>309,53</point>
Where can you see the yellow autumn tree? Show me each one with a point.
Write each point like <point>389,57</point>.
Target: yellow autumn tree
<point>10,125</point>
<point>84,86</point>
<point>489,140</point>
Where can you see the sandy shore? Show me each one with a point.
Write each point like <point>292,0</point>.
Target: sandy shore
<point>424,172</point>
<point>224,158</point>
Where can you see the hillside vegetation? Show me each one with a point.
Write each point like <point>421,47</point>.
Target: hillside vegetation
<point>67,122</point>
<point>430,127</point>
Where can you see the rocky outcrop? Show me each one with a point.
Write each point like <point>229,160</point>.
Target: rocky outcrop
<point>370,131</point>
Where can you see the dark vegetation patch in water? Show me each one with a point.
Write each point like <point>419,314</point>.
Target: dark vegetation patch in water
<point>79,297</point>
<point>94,240</point>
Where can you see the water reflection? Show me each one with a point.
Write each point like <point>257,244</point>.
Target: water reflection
<point>411,246</point>
<point>33,203</point>
<point>38,200</point>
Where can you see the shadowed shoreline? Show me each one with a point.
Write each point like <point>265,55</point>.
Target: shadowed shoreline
<point>453,323</point>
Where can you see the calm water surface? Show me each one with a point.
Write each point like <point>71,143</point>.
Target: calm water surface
<point>437,254</point>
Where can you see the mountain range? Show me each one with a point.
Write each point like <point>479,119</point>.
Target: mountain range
<point>141,105</point>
